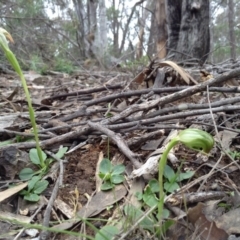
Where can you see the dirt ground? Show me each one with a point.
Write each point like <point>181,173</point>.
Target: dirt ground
<point>86,109</point>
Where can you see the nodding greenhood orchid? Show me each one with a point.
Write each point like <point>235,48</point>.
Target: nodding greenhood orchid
<point>192,138</point>
<point>196,139</point>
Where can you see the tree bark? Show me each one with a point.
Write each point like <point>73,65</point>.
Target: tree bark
<point>115,26</point>
<point>151,46</point>
<point>161,29</point>
<point>188,22</point>
<point>232,40</point>
<point>81,30</point>
<point>142,22</point>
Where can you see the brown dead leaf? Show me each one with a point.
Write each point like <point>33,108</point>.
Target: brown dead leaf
<point>206,228</point>
<point>230,221</point>
<point>227,138</point>
<point>185,76</point>
<point>97,204</point>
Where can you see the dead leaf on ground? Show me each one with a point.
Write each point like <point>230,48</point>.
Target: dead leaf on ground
<point>11,191</point>
<point>206,228</point>
<point>97,204</point>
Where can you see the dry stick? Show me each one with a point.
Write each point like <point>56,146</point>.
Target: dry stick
<point>195,182</point>
<point>217,135</point>
<point>188,106</point>
<point>207,124</point>
<point>148,136</point>
<point>61,168</point>
<point>44,234</point>
<point>155,91</point>
<point>170,117</point>
<point>160,101</point>
<point>118,141</point>
<point>23,134</point>
<point>216,130</point>
<point>195,197</point>
<point>54,140</point>
<point>84,130</point>
<point>86,91</point>
<point>172,97</point>
<point>32,217</point>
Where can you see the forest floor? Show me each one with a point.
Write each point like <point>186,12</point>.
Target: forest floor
<point>128,118</point>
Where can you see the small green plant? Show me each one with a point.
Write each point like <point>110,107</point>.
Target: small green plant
<point>106,233</point>
<point>63,65</point>
<point>28,173</point>
<point>172,179</point>
<point>192,138</point>
<point>111,175</point>
<point>37,64</point>
<point>35,187</point>
<point>234,154</point>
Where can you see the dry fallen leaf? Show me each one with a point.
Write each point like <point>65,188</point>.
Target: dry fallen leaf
<point>11,191</point>
<point>206,228</point>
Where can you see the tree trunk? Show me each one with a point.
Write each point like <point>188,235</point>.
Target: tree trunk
<point>126,28</point>
<point>161,29</point>
<point>101,41</point>
<point>151,46</point>
<point>232,40</point>
<point>115,26</point>
<point>81,40</point>
<point>92,25</point>
<point>142,22</point>
<point>189,36</point>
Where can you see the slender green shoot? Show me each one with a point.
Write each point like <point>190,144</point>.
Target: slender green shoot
<point>192,138</point>
<point>4,35</point>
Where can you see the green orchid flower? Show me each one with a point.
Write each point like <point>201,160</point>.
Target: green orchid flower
<point>192,138</point>
<point>196,139</point>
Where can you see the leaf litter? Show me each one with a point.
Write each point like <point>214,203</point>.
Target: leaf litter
<point>81,110</point>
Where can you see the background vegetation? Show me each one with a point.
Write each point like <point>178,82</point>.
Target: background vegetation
<point>61,34</point>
